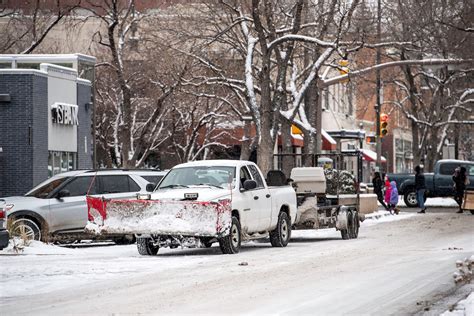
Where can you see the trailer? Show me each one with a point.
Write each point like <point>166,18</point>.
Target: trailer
<point>320,206</point>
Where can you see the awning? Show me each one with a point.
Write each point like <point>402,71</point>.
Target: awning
<point>369,155</point>
<point>328,142</point>
<point>297,140</point>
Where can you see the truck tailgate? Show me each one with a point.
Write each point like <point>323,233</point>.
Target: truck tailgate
<point>186,218</point>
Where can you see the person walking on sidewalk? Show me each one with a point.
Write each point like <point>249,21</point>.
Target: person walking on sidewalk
<point>461,180</point>
<point>420,188</point>
<point>388,192</point>
<point>393,198</point>
<point>378,186</point>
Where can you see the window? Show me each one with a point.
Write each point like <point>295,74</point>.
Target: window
<point>256,176</point>
<point>244,175</point>
<point>43,190</point>
<point>153,179</point>
<point>118,184</point>
<point>61,161</point>
<point>80,185</point>
<point>448,168</point>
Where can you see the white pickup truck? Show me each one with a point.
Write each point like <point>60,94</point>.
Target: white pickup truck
<point>202,202</point>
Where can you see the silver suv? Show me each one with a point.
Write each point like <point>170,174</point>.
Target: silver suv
<point>56,209</point>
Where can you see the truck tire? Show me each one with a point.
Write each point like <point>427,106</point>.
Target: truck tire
<point>472,212</point>
<point>345,233</point>
<point>145,247</point>
<point>231,244</point>
<point>280,236</point>
<point>354,232</point>
<point>410,198</point>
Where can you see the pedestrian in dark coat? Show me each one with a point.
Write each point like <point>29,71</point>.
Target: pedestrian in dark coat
<point>420,188</point>
<point>378,186</point>
<point>460,180</point>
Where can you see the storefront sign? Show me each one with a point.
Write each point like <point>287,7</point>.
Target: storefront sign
<point>63,113</point>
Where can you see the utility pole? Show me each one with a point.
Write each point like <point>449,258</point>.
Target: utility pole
<point>378,105</point>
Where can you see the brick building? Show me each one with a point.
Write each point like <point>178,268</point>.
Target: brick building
<point>45,121</point>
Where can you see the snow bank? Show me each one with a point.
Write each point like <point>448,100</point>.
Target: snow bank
<point>433,202</point>
<point>463,308</point>
<point>384,216</point>
<point>34,248</point>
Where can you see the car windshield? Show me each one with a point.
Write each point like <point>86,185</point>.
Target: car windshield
<point>218,177</point>
<point>44,189</point>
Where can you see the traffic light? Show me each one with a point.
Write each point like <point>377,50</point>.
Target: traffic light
<point>343,66</point>
<point>383,124</point>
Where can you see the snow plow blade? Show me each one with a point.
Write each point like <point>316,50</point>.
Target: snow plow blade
<point>184,218</point>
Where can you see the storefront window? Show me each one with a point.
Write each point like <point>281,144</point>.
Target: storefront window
<point>61,162</point>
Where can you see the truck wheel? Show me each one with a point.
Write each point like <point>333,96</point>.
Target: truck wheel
<point>345,233</point>
<point>410,199</point>
<point>230,244</point>
<point>354,233</point>
<point>280,236</point>
<point>145,247</point>
<point>472,212</point>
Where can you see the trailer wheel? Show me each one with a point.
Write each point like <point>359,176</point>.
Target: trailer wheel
<point>145,246</point>
<point>346,233</point>
<point>280,236</point>
<point>472,212</point>
<point>354,232</point>
<point>230,244</point>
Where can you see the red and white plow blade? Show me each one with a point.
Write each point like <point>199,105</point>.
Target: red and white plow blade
<point>186,218</point>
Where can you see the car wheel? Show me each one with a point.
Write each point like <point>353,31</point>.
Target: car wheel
<point>281,235</point>
<point>25,229</point>
<point>145,246</point>
<point>230,244</point>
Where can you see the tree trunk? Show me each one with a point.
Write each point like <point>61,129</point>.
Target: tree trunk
<point>288,162</point>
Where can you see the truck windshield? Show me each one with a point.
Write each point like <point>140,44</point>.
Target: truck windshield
<point>44,189</point>
<point>214,176</point>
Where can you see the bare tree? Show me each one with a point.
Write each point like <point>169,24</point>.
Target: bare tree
<point>26,24</point>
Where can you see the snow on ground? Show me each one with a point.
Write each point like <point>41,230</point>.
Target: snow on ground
<point>397,261</point>
<point>31,271</point>
<point>463,308</point>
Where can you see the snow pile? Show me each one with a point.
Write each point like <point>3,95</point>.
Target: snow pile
<point>464,273</point>
<point>188,218</point>
<point>463,308</point>
<point>35,247</point>
<point>433,202</point>
<point>384,216</point>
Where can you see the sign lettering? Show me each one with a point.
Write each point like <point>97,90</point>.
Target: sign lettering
<point>66,114</point>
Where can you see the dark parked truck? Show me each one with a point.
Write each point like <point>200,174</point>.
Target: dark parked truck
<point>438,184</point>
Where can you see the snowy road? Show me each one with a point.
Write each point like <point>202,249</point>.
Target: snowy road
<point>391,267</point>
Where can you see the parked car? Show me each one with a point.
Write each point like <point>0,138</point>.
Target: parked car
<point>4,236</point>
<point>438,184</point>
<point>57,210</point>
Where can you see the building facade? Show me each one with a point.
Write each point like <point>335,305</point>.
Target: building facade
<point>45,125</point>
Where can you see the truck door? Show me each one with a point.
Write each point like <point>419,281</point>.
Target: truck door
<point>249,217</point>
<point>261,199</point>
<point>443,179</point>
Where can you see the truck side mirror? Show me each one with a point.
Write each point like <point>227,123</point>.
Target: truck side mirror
<point>150,187</point>
<point>63,193</point>
<point>250,185</point>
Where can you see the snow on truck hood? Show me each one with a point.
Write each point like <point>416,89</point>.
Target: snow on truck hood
<point>204,193</point>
